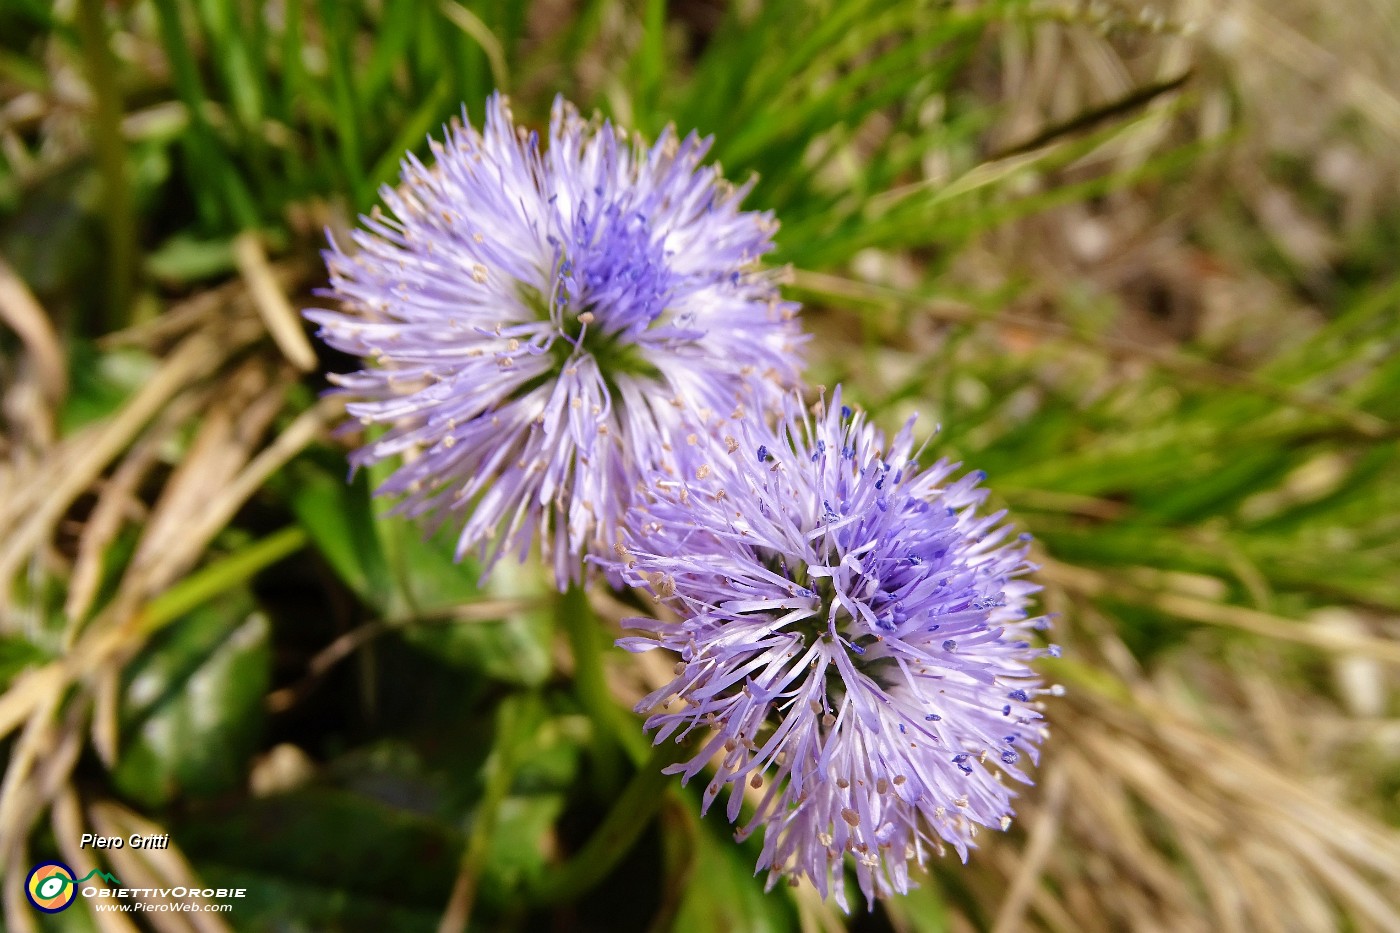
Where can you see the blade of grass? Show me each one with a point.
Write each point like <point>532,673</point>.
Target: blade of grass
<point>348,117</point>
<point>392,42</point>
<point>510,719</point>
<point>650,66</point>
<point>203,585</point>
<point>414,130</point>
<point>228,200</point>
<point>471,24</point>
<point>118,210</point>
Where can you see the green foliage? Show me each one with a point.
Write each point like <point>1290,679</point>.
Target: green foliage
<point>454,736</point>
<point>192,711</point>
<point>324,856</point>
<point>727,898</point>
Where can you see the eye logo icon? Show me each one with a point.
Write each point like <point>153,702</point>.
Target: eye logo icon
<point>51,886</point>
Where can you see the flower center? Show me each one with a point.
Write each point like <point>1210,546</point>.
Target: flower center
<point>615,268</point>
<point>830,612</point>
<point>614,353</point>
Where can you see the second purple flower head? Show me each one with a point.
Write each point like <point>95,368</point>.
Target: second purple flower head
<point>853,640</point>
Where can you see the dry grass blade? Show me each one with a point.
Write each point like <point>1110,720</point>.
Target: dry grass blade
<point>151,868</point>
<point>1120,837</point>
<point>1226,902</point>
<point>25,692</point>
<point>208,311</point>
<point>33,688</point>
<point>1351,888</point>
<point>1042,838</point>
<point>34,513</point>
<point>1092,583</point>
<point>467,21</point>
<point>106,715</point>
<point>270,301</point>
<point>229,433</point>
<point>1244,775</point>
<point>68,826</point>
<point>1272,626</point>
<point>25,316</point>
<point>225,464</point>
<point>216,511</point>
<point>115,504</point>
<point>1360,422</point>
<point>457,914</point>
<point>1050,910</point>
<point>19,798</point>
<point>1264,848</point>
<point>285,698</point>
<point>223,456</point>
<point>28,787</point>
<point>1276,38</point>
<point>19,916</point>
<point>1260,900</point>
<point>51,777</point>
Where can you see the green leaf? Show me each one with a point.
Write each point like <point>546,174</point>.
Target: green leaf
<point>416,583</point>
<point>920,911</point>
<point>430,580</point>
<point>523,840</point>
<point>330,858</point>
<point>514,649</point>
<point>723,896</point>
<point>431,585</point>
<point>192,705</point>
<point>338,518</point>
<point>185,258</point>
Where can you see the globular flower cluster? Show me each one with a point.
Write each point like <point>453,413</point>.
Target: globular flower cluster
<point>853,643</point>
<point>575,344</point>
<point>543,320</point>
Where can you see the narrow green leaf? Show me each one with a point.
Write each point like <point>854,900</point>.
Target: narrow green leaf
<point>338,518</point>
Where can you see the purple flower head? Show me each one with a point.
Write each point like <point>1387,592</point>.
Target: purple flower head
<point>853,640</point>
<point>544,319</point>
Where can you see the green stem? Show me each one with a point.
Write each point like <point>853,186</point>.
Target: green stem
<point>501,773</point>
<point>616,727</point>
<point>111,158</point>
<point>590,681</point>
<point>618,832</point>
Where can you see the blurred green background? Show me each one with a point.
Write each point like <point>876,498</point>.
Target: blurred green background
<point>1136,260</point>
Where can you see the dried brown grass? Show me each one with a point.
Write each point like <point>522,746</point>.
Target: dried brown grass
<point>214,383</point>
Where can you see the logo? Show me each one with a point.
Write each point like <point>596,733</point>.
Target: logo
<point>51,886</point>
